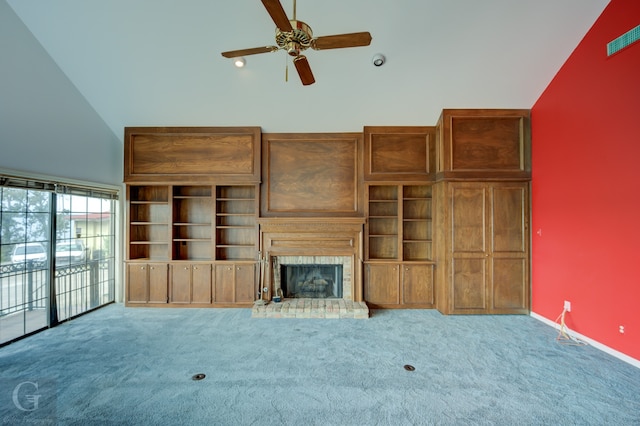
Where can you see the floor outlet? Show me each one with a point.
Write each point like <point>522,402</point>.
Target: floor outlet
<point>567,306</point>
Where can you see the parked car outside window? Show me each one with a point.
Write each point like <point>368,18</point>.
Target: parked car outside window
<point>70,252</point>
<point>29,252</point>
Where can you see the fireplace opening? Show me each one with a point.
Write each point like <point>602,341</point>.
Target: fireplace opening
<point>311,281</point>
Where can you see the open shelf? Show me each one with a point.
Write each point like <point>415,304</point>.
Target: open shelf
<point>149,194</point>
<point>236,230</point>
<point>149,218</point>
<point>383,222</point>
<point>416,223</point>
<point>192,224</point>
<point>399,225</point>
<point>192,191</point>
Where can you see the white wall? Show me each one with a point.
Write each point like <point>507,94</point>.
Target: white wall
<point>46,126</point>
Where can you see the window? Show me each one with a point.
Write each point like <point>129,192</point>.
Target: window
<point>57,248</point>
<point>25,222</point>
<point>84,254</point>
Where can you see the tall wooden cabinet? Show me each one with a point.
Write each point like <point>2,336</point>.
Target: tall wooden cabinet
<point>399,267</point>
<point>482,214</point>
<point>192,208</point>
<point>485,264</point>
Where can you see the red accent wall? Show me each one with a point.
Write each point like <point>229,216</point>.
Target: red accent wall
<point>586,187</point>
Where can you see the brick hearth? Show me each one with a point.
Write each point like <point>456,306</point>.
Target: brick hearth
<point>311,308</point>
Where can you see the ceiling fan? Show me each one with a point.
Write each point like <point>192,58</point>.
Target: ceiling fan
<point>296,36</point>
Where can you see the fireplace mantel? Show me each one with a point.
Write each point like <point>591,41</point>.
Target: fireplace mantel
<point>312,237</point>
<point>311,223</point>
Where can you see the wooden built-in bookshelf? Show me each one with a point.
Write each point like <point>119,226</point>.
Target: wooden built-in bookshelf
<point>236,231</point>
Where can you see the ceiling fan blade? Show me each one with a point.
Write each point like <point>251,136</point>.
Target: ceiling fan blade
<point>278,14</point>
<point>304,70</point>
<point>247,52</point>
<point>342,40</point>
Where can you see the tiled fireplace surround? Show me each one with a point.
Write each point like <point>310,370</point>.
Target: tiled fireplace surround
<point>304,241</point>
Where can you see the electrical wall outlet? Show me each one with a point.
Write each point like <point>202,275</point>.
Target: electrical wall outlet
<point>621,329</point>
<point>567,306</point>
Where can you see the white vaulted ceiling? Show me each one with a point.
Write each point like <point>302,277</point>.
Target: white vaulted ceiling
<point>158,62</point>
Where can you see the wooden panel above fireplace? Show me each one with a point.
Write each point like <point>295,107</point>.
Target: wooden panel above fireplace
<point>312,174</point>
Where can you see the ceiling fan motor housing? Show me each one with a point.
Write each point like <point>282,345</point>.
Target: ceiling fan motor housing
<point>297,40</point>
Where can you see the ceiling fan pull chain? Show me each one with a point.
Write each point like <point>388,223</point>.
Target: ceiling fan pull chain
<point>286,69</point>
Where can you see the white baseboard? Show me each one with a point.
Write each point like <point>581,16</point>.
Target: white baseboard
<point>595,344</point>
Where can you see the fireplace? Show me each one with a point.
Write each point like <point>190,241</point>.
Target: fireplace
<point>311,281</point>
<point>312,268</point>
<point>314,277</point>
<point>312,287</point>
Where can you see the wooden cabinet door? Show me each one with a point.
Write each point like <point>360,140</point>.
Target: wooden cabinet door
<point>235,283</point>
<point>484,143</point>
<point>488,265</point>
<point>225,283</point>
<point>158,283</point>
<point>191,283</point>
<point>245,279</point>
<point>469,249</point>
<point>509,266</point>
<point>399,153</point>
<point>417,285</point>
<point>201,283</point>
<point>180,283</point>
<point>137,283</point>
<point>382,284</point>
<point>469,285</point>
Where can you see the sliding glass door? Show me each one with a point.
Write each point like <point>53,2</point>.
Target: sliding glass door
<point>57,254</point>
<point>25,223</point>
<point>84,255</point>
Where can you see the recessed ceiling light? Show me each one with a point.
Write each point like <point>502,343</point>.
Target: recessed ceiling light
<point>378,59</point>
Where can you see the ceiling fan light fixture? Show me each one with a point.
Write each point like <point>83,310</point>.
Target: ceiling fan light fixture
<point>239,62</point>
<point>293,49</point>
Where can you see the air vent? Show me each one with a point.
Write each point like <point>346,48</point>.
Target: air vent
<point>623,41</point>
